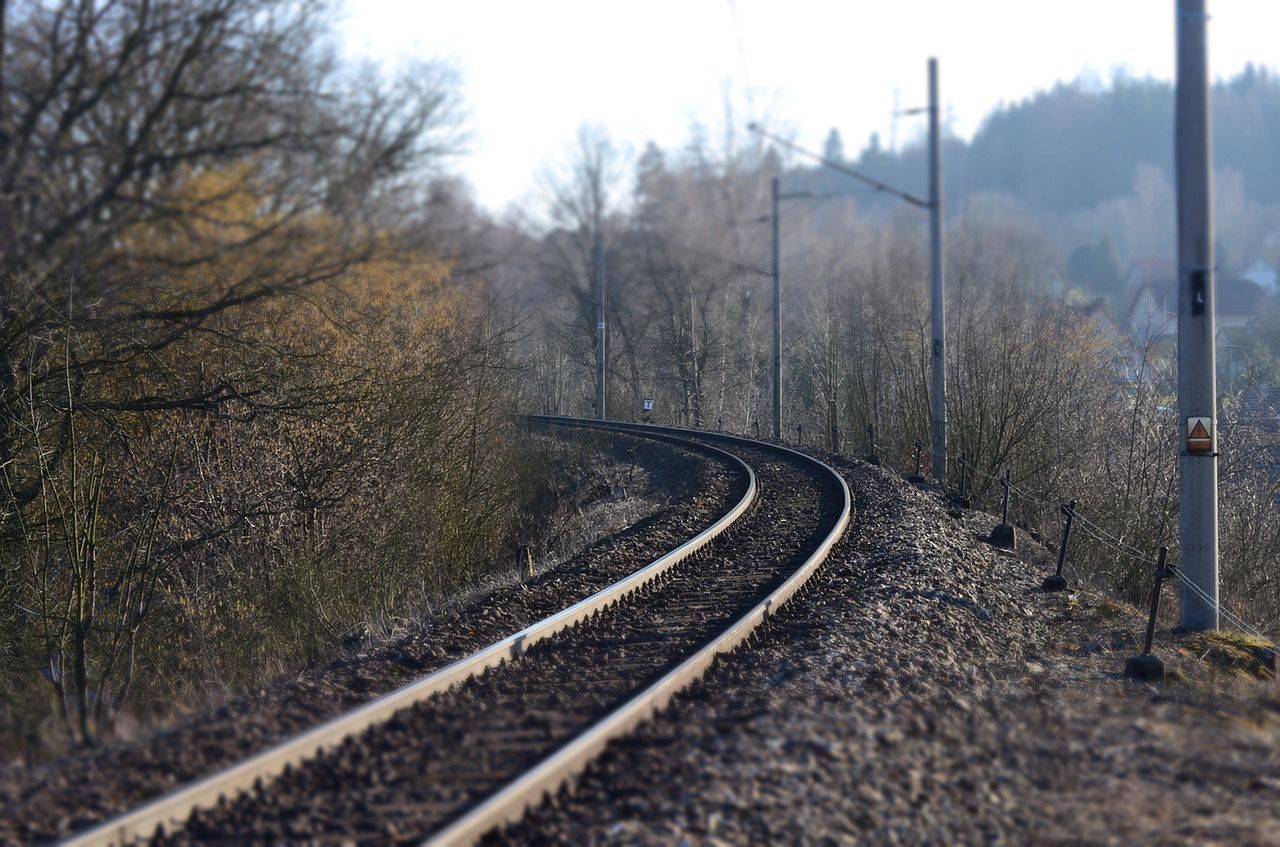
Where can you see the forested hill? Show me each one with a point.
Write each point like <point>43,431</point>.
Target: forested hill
<point>1078,145</point>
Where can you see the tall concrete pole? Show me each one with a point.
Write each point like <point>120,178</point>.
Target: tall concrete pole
<point>938,360</point>
<point>1197,389</point>
<point>777,316</point>
<point>601,333</point>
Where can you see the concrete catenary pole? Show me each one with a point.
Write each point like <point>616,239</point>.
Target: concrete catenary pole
<point>1197,389</point>
<point>938,360</point>
<point>601,332</point>
<point>777,315</point>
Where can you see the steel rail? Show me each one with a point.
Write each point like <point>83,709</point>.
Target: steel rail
<point>173,809</point>
<point>510,803</point>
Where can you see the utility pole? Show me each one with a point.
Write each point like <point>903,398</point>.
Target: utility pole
<point>777,315</point>
<point>938,416</point>
<point>934,204</point>
<point>774,217</point>
<point>1197,391</point>
<point>600,324</point>
<point>938,392</point>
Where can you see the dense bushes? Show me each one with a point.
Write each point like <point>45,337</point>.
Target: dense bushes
<point>373,464</point>
<point>243,409</point>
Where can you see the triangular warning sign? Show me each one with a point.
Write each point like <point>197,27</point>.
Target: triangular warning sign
<point>1199,436</point>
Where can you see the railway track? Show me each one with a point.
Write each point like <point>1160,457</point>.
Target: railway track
<point>471,746</point>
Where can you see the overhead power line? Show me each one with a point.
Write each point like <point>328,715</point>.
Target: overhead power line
<point>742,59</point>
<point>841,168</point>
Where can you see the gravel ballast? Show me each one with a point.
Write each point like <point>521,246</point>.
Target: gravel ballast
<point>922,691</point>
<point>403,779</point>
<point>685,491</point>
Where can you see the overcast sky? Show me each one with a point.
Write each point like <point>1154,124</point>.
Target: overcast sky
<point>532,71</point>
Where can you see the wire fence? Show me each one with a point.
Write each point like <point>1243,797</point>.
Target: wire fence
<point>1090,528</point>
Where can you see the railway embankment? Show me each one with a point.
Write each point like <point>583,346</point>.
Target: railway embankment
<point>669,494</point>
<point>923,690</point>
<point>919,689</point>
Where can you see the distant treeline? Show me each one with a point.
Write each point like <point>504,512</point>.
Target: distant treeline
<point>1077,145</point>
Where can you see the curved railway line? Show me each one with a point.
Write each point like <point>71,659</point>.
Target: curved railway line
<point>472,745</point>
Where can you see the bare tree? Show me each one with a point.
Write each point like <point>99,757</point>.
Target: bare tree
<point>581,191</point>
<point>179,182</point>
<point>109,108</point>
<point>143,144</point>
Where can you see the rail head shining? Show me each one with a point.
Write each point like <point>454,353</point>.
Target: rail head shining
<point>172,810</point>
<point>510,803</point>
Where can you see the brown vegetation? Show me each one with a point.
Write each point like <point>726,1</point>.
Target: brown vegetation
<point>240,416</point>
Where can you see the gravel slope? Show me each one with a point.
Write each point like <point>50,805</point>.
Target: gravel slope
<point>923,692</point>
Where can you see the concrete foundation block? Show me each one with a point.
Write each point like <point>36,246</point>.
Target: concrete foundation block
<point>1004,535</point>
<point>1054,582</point>
<point>1144,668</point>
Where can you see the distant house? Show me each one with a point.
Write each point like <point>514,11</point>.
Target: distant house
<point>1127,356</point>
<point>1259,405</point>
<point>1152,315</point>
<point>1096,310</point>
<point>1264,276</point>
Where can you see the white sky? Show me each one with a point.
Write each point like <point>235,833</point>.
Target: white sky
<point>534,70</point>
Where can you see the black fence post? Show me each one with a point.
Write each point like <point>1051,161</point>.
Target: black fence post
<point>1004,504</point>
<point>962,493</point>
<point>1056,581</point>
<point>1003,534</point>
<point>1146,666</point>
<point>917,478</point>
